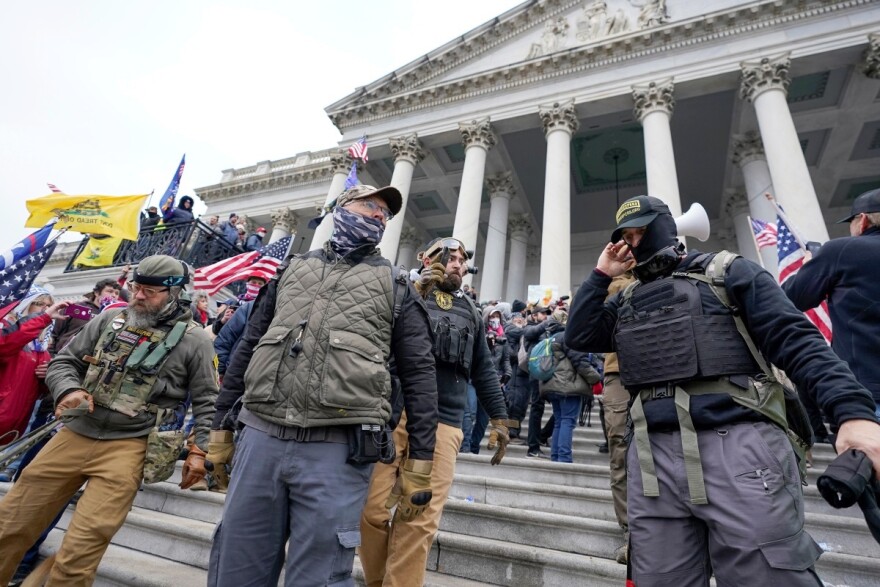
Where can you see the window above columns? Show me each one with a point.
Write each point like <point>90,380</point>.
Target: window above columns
<point>766,74</point>
<point>655,96</point>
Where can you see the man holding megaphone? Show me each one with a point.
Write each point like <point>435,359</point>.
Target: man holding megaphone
<point>713,479</point>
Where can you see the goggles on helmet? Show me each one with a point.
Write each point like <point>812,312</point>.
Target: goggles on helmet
<point>452,244</point>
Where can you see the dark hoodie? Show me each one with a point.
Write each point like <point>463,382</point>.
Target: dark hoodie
<point>181,213</point>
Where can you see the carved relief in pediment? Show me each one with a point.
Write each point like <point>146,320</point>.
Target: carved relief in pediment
<point>597,20</point>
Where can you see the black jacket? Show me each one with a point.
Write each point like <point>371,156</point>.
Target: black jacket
<point>411,347</point>
<point>847,272</point>
<point>780,331</point>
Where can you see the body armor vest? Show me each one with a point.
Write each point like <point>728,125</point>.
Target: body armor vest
<point>126,363</point>
<point>455,326</point>
<point>665,335</point>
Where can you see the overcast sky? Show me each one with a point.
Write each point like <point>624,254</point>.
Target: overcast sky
<point>103,97</point>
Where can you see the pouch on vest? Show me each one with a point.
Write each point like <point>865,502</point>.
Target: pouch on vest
<point>542,361</point>
<point>163,447</point>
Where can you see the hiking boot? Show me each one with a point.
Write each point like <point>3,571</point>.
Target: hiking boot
<point>621,555</point>
<point>537,454</point>
<point>603,448</point>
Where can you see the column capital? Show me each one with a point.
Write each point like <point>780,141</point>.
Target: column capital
<point>477,133</point>
<point>871,66</point>
<point>500,186</point>
<point>736,202</point>
<point>340,161</point>
<point>410,237</point>
<point>747,147</point>
<point>766,74</point>
<point>657,96</point>
<point>520,225</point>
<point>559,116</point>
<point>284,218</point>
<point>407,148</point>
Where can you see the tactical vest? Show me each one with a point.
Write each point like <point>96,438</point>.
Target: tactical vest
<point>668,346</point>
<point>455,326</point>
<point>127,361</point>
<point>322,360</point>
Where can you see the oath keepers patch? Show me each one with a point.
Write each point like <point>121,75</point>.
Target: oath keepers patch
<point>444,300</point>
<point>128,337</point>
<point>627,209</point>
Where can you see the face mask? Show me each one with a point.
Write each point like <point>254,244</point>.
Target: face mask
<point>661,264</point>
<point>494,322</point>
<point>353,230</point>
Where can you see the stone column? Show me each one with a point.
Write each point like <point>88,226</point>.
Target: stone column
<point>407,151</point>
<point>871,66</point>
<point>653,106</point>
<point>283,224</point>
<point>340,162</point>
<point>560,121</point>
<point>478,138</point>
<point>748,155</point>
<point>520,231</point>
<point>500,191</point>
<point>409,244</point>
<point>765,83</point>
<point>736,213</point>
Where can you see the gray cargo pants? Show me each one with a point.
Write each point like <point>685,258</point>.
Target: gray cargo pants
<point>281,489</point>
<point>750,533</point>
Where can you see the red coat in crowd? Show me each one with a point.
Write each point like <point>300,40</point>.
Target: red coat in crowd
<point>20,388</point>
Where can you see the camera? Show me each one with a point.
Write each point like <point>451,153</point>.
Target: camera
<point>473,270</point>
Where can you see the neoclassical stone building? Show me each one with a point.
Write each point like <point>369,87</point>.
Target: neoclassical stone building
<point>522,136</point>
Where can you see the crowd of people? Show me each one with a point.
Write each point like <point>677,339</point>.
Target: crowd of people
<point>345,388</point>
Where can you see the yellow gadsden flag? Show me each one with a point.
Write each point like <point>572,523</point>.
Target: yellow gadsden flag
<point>99,251</point>
<point>111,215</point>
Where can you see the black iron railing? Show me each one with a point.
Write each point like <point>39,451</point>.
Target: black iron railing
<point>193,242</point>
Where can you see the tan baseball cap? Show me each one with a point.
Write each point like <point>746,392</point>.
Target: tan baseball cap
<point>390,194</point>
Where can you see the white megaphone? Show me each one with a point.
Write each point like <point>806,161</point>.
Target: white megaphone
<point>694,222</point>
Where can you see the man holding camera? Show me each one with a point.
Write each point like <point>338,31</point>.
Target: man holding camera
<point>395,549</point>
<point>312,373</point>
<point>847,272</point>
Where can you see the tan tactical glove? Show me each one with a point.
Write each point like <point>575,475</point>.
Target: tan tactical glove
<point>193,467</point>
<point>412,492</point>
<point>220,450</point>
<point>430,276</point>
<point>498,436</point>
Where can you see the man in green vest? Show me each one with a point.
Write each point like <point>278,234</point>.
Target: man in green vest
<point>312,372</point>
<point>126,375</point>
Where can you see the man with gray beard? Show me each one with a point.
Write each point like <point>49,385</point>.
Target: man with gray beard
<point>125,376</point>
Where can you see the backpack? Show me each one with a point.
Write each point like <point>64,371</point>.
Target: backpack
<point>542,361</point>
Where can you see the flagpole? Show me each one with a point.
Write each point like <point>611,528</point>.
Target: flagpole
<point>791,227</point>
<point>755,242</point>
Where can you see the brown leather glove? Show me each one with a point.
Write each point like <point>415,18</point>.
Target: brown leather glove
<point>499,437</point>
<point>412,492</point>
<point>220,451</point>
<point>193,467</point>
<point>429,277</point>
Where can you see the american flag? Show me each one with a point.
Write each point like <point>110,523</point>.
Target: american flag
<point>263,263</point>
<point>16,279</point>
<point>791,259</point>
<point>26,246</point>
<point>765,233</point>
<point>358,149</point>
<point>166,204</point>
<point>54,188</point>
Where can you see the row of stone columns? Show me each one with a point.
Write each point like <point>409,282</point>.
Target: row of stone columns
<point>771,162</point>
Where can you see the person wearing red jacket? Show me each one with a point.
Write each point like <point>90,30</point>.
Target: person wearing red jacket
<point>24,340</point>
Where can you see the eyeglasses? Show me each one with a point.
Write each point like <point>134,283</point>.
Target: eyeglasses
<point>149,292</point>
<point>41,304</point>
<point>373,207</point>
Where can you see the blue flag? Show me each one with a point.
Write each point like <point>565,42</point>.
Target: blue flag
<point>27,246</point>
<point>352,179</point>
<point>166,204</point>
<point>16,279</point>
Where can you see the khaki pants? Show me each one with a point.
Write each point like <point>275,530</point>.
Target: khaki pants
<point>396,554</point>
<point>113,469</point>
<point>616,400</point>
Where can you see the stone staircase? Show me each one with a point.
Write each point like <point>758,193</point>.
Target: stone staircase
<point>526,522</point>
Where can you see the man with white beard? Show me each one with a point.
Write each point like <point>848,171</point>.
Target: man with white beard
<point>125,377</point>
